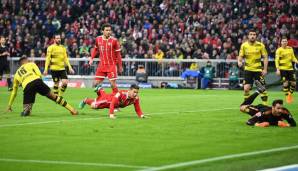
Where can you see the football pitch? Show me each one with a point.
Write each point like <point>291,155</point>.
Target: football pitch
<point>187,130</point>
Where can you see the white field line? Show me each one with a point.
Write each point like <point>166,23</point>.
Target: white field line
<point>283,168</point>
<point>213,159</point>
<point>71,120</point>
<point>45,122</point>
<point>72,163</point>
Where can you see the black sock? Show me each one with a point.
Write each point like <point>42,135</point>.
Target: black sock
<point>56,89</point>
<point>250,99</point>
<point>9,83</point>
<point>63,88</point>
<point>292,88</point>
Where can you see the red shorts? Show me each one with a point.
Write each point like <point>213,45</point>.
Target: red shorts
<point>102,101</point>
<point>109,71</point>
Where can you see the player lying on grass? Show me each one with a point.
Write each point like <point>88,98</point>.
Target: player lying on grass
<point>28,76</point>
<point>112,101</point>
<point>264,116</point>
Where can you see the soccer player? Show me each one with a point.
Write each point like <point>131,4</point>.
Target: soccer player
<point>284,57</point>
<point>56,60</point>
<point>252,51</point>
<point>109,51</point>
<point>112,101</point>
<point>28,76</point>
<point>263,115</point>
<point>4,64</point>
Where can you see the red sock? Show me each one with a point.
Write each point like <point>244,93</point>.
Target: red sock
<point>89,101</point>
<point>115,90</point>
<point>100,92</point>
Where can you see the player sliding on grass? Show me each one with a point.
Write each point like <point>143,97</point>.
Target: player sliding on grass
<point>29,76</point>
<point>112,101</point>
<point>264,116</point>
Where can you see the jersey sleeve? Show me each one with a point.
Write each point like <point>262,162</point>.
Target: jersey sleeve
<point>289,118</point>
<point>277,56</point>
<point>255,119</point>
<point>138,107</point>
<point>48,58</point>
<point>14,90</point>
<point>294,59</point>
<point>94,50</point>
<point>115,100</point>
<point>241,52</point>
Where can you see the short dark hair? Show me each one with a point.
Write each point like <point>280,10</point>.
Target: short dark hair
<point>22,58</point>
<point>277,101</point>
<point>105,25</point>
<point>1,36</point>
<point>134,86</point>
<point>251,30</point>
<point>284,37</point>
<point>56,34</point>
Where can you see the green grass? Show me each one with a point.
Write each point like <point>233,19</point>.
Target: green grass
<point>184,125</point>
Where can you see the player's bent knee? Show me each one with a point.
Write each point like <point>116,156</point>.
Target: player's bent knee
<point>64,82</point>
<point>93,105</point>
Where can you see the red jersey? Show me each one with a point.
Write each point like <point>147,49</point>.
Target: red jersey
<point>109,51</point>
<point>122,100</point>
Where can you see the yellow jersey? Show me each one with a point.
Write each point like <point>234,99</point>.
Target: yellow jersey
<point>27,73</point>
<point>252,54</point>
<point>56,58</point>
<point>284,58</point>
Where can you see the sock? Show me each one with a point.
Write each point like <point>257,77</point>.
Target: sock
<point>249,100</point>
<point>56,89</point>
<point>246,95</point>
<point>264,97</point>
<point>100,92</point>
<point>59,100</point>
<point>292,88</point>
<point>89,101</point>
<point>115,90</point>
<point>285,89</point>
<point>63,88</point>
<point>9,83</point>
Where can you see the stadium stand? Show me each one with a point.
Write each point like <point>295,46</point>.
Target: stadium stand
<point>162,29</point>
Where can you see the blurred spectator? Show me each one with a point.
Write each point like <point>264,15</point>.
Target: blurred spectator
<point>233,76</point>
<point>208,74</point>
<point>141,74</point>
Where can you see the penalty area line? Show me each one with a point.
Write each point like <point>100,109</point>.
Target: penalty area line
<point>72,163</point>
<point>213,159</point>
<point>46,122</point>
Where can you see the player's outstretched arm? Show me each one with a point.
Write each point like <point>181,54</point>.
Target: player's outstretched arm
<point>112,107</point>
<point>13,94</point>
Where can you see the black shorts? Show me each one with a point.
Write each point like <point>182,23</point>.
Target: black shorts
<point>58,75</point>
<point>4,68</point>
<point>287,75</point>
<point>251,76</point>
<point>36,86</point>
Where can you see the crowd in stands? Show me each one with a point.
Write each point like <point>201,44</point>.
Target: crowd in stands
<point>174,29</point>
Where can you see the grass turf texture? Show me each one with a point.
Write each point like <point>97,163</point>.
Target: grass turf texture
<point>184,125</point>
